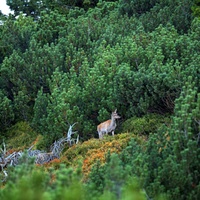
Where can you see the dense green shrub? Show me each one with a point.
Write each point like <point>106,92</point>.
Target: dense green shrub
<point>153,13</point>
<point>21,135</point>
<point>16,35</point>
<point>168,162</point>
<point>196,8</point>
<point>29,182</point>
<point>145,125</point>
<point>112,178</point>
<point>170,159</point>
<point>79,66</point>
<point>136,7</point>
<point>139,74</point>
<point>74,65</point>
<point>6,112</point>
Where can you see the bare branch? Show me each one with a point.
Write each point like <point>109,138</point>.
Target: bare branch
<point>41,157</point>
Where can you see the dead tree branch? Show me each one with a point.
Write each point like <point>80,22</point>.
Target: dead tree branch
<point>41,157</point>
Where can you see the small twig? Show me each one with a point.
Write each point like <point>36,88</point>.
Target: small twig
<point>77,139</point>
<point>197,121</point>
<point>5,175</point>
<point>148,198</point>
<point>198,138</point>
<point>30,147</point>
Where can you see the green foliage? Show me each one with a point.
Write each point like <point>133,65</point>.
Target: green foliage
<point>186,121</point>
<point>49,26</point>
<point>28,182</point>
<point>185,133</point>
<point>21,135</point>
<point>22,108</point>
<point>25,182</point>
<point>34,8</point>
<point>169,161</point>
<point>68,65</point>
<point>136,7</point>
<point>6,112</point>
<point>110,179</point>
<point>15,35</point>
<point>79,66</point>
<point>153,13</point>
<point>145,125</point>
<point>40,108</point>
<point>147,77</point>
<point>196,8</point>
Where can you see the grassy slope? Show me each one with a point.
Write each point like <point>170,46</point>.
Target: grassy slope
<point>21,137</point>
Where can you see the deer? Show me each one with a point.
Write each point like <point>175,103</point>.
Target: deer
<point>108,126</point>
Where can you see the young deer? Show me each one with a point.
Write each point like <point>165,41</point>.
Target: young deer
<point>108,126</point>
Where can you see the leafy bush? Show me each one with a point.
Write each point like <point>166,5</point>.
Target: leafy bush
<point>137,7</point>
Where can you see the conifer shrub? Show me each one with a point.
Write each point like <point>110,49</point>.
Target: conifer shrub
<point>78,67</point>
<point>144,125</point>
<point>46,141</point>
<point>28,187</point>
<point>29,182</point>
<point>6,112</point>
<point>21,135</point>
<point>113,178</point>
<point>160,12</point>
<point>168,162</point>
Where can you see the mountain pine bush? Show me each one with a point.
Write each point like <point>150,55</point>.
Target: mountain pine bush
<point>69,62</point>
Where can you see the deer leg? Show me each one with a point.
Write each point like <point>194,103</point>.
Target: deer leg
<point>100,135</point>
<point>113,133</point>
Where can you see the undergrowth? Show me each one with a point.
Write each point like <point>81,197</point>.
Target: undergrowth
<point>21,136</point>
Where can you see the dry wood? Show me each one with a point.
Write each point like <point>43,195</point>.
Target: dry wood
<point>41,157</point>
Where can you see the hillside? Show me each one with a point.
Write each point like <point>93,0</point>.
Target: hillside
<point>70,64</point>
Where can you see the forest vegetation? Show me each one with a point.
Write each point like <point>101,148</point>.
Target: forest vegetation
<point>74,62</point>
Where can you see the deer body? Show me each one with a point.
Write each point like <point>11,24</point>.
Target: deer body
<point>108,126</point>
